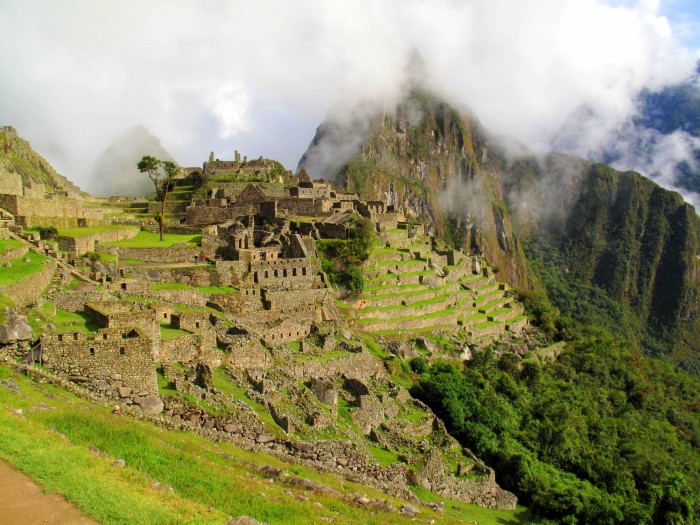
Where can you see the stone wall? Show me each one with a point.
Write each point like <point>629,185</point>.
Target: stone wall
<point>11,184</point>
<point>287,331</point>
<point>110,362</point>
<point>25,291</point>
<point>12,253</point>
<point>62,213</point>
<point>290,301</point>
<point>154,208</point>
<point>125,315</point>
<point>188,349</point>
<point>286,274</point>
<point>360,366</point>
<point>87,242</point>
<point>73,301</point>
<point>175,254</point>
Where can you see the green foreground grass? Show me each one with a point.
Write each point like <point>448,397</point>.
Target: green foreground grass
<point>210,481</point>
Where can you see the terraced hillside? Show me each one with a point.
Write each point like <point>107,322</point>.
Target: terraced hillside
<point>411,289</point>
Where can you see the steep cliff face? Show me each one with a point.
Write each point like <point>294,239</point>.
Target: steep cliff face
<point>428,159</point>
<point>637,241</point>
<point>619,231</point>
<point>17,156</point>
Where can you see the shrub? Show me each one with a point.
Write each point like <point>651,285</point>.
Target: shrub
<point>419,365</point>
<point>47,232</point>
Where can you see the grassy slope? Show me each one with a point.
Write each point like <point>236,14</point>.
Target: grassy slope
<point>209,480</point>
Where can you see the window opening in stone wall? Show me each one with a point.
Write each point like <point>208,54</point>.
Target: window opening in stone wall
<point>122,350</point>
<point>75,335</point>
<point>196,325</point>
<point>92,351</point>
<point>303,270</point>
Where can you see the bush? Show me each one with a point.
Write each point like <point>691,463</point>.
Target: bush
<point>47,233</point>
<point>419,365</point>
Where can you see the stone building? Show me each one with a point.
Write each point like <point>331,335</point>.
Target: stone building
<point>116,363</point>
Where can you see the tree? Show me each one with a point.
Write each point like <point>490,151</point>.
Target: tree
<point>162,173</point>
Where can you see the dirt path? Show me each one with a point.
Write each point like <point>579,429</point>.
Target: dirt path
<point>22,502</point>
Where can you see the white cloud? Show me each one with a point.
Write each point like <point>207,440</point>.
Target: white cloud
<point>216,74</point>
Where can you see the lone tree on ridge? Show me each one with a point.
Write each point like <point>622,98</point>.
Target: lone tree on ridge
<point>162,173</point>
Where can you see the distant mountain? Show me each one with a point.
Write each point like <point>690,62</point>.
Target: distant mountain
<point>115,172</point>
<point>18,156</point>
<point>619,233</point>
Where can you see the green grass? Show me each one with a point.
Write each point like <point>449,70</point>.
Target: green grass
<point>146,239</point>
<point>73,322</point>
<point>202,289</point>
<point>20,269</point>
<point>168,333</point>
<point>6,244</point>
<point>165,387</point>
<point>384,457</point>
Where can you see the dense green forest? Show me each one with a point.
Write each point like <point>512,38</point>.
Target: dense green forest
<point>603,434</point>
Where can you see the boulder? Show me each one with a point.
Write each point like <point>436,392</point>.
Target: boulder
<point>152,404</point>
<point>16,328</point>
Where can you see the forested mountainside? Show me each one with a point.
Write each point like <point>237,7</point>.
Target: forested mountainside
<point>630,240</point>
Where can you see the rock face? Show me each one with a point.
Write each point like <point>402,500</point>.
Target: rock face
<point>15,328</point>
<point>426,157</point>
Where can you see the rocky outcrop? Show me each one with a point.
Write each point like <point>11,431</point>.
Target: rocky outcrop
<point>15,328</point>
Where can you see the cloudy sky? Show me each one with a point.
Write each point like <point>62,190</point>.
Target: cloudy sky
<point>260,76</point>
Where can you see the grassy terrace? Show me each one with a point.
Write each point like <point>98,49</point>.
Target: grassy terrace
<point>406,262</point>
<point>412,332</point>
<point>7,244</point>
<point>73,322</point>
<point>146,239</point>
<point>415,289</point>
<point>168,333</point>
<point>21,269</point>
<point>417,304</point>
<point>488,297</point>
<point>435,315</point>
<point>200,289</point>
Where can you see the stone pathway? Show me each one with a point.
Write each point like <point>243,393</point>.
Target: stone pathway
<point>24,503</point>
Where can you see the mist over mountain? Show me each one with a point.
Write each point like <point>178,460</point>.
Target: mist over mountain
<point>115,171</point>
